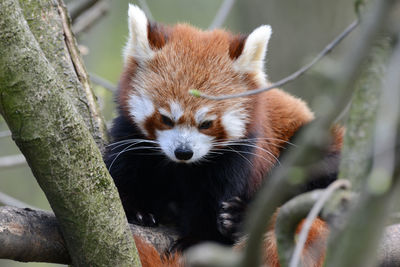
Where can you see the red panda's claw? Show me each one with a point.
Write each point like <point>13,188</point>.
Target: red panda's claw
<point>145,219</point>
<point>230,217</point>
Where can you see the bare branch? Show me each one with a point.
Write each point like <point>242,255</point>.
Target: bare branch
<point>6,200</point>
<point>323,198</point>
<point>386,128</point>
<point>313,139</point>
<point>222,13</point>
<point>12,161</point>
<point>76,8</point>
<point>34,235</point>
<point>90,17</point>
<point>5,134</point>
<point>382,186</point>
<point>146,9</point>
<point>102,82</point>
<point>289,78</point>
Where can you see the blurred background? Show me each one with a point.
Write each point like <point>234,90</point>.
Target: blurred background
<point>301,29</point>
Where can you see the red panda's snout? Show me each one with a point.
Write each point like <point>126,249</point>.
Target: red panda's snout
<point>187,134</point>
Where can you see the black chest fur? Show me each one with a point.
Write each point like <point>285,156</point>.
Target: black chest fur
<point>189,195</point>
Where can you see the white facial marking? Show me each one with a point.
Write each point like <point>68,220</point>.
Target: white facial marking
<point>137,45</point>
<point>140,108</point>
<point>234,122</point>
<point>176,110</point>
<point>201,115</point>
<point>191,138</point>
<point>255,48</point>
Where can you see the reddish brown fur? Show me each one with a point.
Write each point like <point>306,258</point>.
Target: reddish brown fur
<point>149,256</point>
<point>236,45</point>
<point>313,253</point>
<point>188,58</point>
<point>279,115</point>
<point>157,35</point>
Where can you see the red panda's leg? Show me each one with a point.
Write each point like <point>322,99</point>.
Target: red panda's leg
<point>314,250</point>
<point>150,257</point>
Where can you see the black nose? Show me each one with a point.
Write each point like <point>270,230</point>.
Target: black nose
<point>183,153</point>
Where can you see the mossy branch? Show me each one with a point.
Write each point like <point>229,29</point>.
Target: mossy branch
<point>59,147</point>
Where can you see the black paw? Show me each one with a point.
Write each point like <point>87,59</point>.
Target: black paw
<point>144,219</point>
<point>230,217</point>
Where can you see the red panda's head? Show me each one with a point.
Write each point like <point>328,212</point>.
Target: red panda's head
<point>163,63</point>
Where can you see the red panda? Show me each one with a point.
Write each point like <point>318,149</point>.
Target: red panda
<point>192,162</point>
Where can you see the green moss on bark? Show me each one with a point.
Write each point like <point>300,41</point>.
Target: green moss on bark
<point>59,148</point>
<point>357,149</point>
<point>46,24</point>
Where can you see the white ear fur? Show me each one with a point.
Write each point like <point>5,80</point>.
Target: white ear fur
<point>138,44</point>
<point>255,48</point>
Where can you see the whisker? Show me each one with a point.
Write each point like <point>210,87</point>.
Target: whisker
<point>135,143</point>
<point>250,153</point>
<point>265,150</point>
<point>238,152</point>
<point>138,148</point>
<point>131,140</point>
<point>259,138</point>
<point>112,163</point>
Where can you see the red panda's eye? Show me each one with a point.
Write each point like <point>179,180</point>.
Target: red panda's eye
<point>167,121</point>
<point>205,125</point>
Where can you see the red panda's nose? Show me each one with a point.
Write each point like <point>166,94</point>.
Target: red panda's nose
<point>183,153</point>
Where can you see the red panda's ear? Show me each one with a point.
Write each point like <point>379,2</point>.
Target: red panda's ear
<point>236,45</point>
<point>144,37</point>
<point>253,52</point>
<point>157,35</point>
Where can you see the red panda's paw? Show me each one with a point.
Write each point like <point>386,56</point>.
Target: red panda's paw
<point>230,218</point>
<point>144,219</point>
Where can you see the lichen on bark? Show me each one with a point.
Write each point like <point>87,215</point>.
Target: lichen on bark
<point>59,147</point>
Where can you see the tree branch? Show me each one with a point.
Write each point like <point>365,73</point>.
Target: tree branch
<point>312,215</point>
<point>6,200</point>
<point>12,161</point>
<point>382,185</point>
<point>313,140</point>
<point>89,17</point>
<point>32,235</point>
<point>222,13</point>
<point>5,134</point>
<point>76,8</point>
<point>50,132</point>
<point>103,82</point>
<point>289,78</point>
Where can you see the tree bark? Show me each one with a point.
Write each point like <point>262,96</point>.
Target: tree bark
<point>32,235</point>
<point>357,147</point>
<point>59,148</point>
<point>49,23</point>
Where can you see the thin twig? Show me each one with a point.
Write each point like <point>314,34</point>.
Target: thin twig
<point>269,198</point>
<point>5,134</point>
<point>289,78</point>
<point>6,200</point>
<point>146,9</point>
<point>102,82</point>
<point>76,8</point>
<point>326,194</point>
<point>89,17</point>
<point>12,161</point>
<point>222,13</point>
